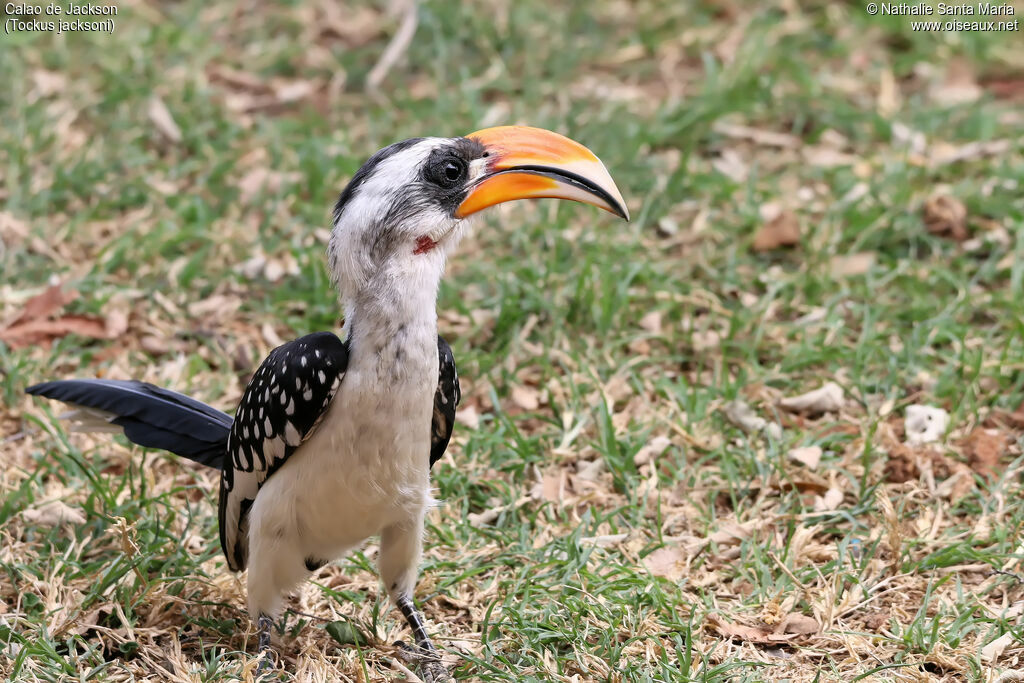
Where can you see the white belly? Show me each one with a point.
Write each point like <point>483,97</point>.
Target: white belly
<point>366,467</point>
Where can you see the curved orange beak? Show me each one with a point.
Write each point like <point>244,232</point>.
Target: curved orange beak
<point>527,163</point>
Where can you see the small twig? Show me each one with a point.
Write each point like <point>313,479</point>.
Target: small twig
<point>17,436</point>
<point>397,665</point>
<point>396,48</point>
<point>308,616</point>
<point>1002,572</point>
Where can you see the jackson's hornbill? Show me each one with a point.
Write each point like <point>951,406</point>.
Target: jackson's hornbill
<point>333,440</point>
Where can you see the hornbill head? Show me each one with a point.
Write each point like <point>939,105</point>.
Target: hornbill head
<point>407,205</point>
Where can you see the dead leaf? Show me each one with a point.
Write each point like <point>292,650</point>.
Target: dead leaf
<point>116,322</point>
<point>849,265</point>
<point>827,157</point>
<point>161,118</point>
<point>45,304</point>
<point>902,464</point>
<point>1005,87</point>
<point>799,624</point>
<point>293,91</point>
<point>668,562</point>
<point>808,456</point>
<point>261,181</point>
<point>946,216</point>
<point>826,399</point>
<point>876,620</point>
<point>781,231</point>
<point>651,322</point>
<point>731,165</point>
<point>527,398</point>
<point>767,138</point>
<point>925,424</point>
<point>731,533</point>
<point>832,499</point>
<point>942,154</point>
<point>53,513</point>
<point>48,83</point>
<point>994,650</point>
<point>958,87</point>
<point>789,628</point>
<point>1015,419</point>
<point>468,417</point>
<point>651,450</point>
<point>551,487</point>
<point>744,417</point>
<point>46,331</point>
<point>985,448</point>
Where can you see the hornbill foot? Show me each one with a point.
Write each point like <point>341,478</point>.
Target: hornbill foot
<point>263,625</point>
<point>427,662</point>
<point>424,656</point>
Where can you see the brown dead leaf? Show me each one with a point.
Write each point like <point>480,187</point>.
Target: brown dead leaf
<point>958,87</point>
<point>876,620</point>
<point>781,231</point>
<point>787,629</point>
<point>53,513</point>
<point>902,464</point>
<point>116,323</point>
<point>849,265</point>
<point>1014,420</point>
<point>43,305</point>
<point>160,117</point>
<point>45,331</point>
<point>985,448</point>
<point>263,181</point>
<point>994,650</point>
<point>826,399</point>
<point>651,450</point>
<point>831,500</point>
<point>808,456</point>
<point>1005,87</point>
<point>527,398</point>
<point>651,322</point>
<point>946,216</point>
<point>551,487</point>
<point>799,624</point>
<point>35,325</point>
<point>668,562</point>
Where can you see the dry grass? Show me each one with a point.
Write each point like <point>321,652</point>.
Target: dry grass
<point>818,196</point>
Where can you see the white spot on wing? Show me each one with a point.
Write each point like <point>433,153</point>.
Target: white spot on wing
<point>291,434</point>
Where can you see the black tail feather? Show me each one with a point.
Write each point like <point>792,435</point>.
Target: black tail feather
<point>150,416</point>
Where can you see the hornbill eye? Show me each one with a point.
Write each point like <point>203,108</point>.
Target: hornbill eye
<point>447,171</point>
<point>452,171</point>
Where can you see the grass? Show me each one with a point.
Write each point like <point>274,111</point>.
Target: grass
<point>580,341</point>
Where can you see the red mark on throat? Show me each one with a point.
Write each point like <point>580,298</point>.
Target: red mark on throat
<point>424,244</point>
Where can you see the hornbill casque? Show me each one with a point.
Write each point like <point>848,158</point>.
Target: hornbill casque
<point>334,439</point>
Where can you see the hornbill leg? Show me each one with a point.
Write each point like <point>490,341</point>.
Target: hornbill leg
<point>415,621</point>
<point>263,625</point>
<point>400,548</point>
<point>424,655</point>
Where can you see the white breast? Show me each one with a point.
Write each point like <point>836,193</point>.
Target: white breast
<point>367,465</point>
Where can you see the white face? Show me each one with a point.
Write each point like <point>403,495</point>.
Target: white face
<point>399,209</point>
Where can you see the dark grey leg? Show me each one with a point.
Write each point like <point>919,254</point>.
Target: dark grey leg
<point>424,655</point>
<point>263,625</point>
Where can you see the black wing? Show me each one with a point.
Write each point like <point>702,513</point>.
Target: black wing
<point>281,407</point>
<point>150,416</point>
<point>446,398</point>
